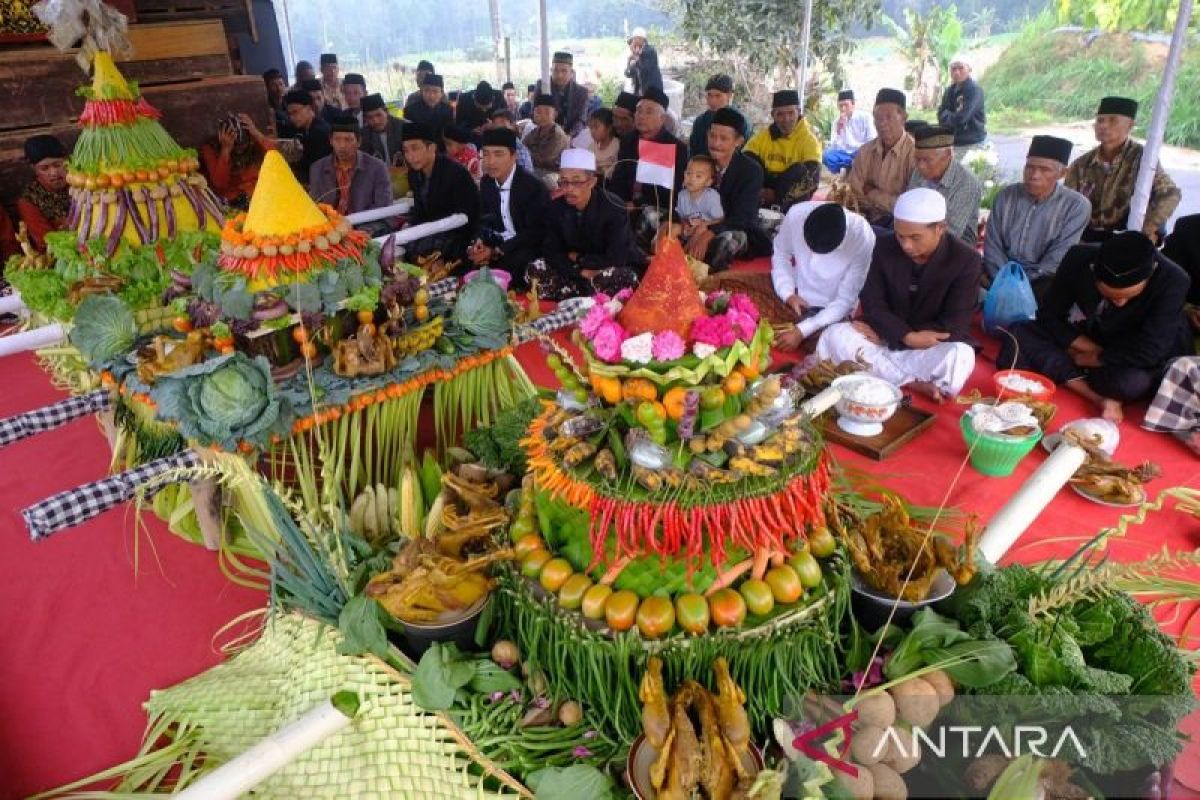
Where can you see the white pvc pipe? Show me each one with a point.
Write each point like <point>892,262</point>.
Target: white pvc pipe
<point>236,777</point>
<point>1158,121</point>
<point>426,229</point>
<point>32,340</point>
<point>12,303</point>
<point>818,404</point>
<point>802,69</point>
<point>1031,499</point>
<point>401,206</point>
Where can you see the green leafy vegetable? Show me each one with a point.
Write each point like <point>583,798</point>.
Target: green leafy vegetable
<point>441,672</point>
<point>571,783</point>
<point>43,290</point>
<point>362,628</point>
<point>935,639</point>
<point>483,311</point>
<point>491,677</point>
<point>104,328</point>
<point>498,446</point>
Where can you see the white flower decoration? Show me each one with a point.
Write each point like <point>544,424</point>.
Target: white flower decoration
<point>638,349</point>
<point>703,349</point>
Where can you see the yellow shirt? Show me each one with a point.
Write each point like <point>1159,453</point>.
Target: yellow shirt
<point>777,154</point>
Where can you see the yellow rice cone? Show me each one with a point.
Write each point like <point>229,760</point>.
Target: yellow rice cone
<point>280,205</point>
<point>107,81</point>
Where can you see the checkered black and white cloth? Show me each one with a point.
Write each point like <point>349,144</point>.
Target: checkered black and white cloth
<point>443,288</point>
<point>565,314</point>
<point>78,505</point>
<point>1176,407</point>
<point>48,418</point>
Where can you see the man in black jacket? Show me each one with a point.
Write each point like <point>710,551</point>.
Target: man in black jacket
<point>739,183</point>
<point>962,106</point>
<point>431,109</point>
<point>1111,322</point>
<point>308,129</point>
<point>440,188</point>
<point>570,98</point>
<point>649,122</point>
<point>423,68</point>
<point>642,67</point>
<point>589,244</point>
<point>475,107</point>
<point>513,202</point>
<point>381,133</point>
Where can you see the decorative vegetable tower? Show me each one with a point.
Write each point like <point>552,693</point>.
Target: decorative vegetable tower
<point>679,494</point>
<point>130,181</point>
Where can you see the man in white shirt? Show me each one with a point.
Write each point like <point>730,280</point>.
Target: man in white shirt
<point>822,255</point>
<point>851,130</point>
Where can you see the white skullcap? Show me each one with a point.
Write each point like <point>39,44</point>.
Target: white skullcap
<point>577,158</point>
<point>961,58</point>
<point>638,33</point>
<point>921,206</point>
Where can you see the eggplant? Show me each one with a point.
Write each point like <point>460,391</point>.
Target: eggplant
<point>387,254</point>
<point>114,237</point>
<point>99,220</point>
<point>152,213</point>
<point>169,212</point>
<point>135,216</point>
<point>85,220</point>
<point>197,208</point>
<point>76,207</point>
<point>268,306</point>
<point>211,203</point>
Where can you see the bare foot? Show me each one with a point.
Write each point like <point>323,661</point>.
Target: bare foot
<point>929,390</point>
<point>1111,410</point>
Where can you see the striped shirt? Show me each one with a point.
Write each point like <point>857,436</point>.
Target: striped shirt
<point>963,193</point>
<point>1034,234</point>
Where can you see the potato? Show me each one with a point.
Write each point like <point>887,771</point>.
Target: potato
<point>888,783</point>
<point>867,745</point>
<point>942,684</point>
<point>860,788</point>
<point>877,711</point>
<point>917,702</point>
<point>904,758</point>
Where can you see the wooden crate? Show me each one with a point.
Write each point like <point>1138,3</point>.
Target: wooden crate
<point>43,80</point>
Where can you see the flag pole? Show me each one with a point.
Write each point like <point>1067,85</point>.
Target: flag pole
<point>671,205</point>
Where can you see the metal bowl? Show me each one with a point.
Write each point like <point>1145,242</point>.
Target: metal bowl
<point>872,607</point>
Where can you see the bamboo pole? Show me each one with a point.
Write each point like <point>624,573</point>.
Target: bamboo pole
<point>802,67</point>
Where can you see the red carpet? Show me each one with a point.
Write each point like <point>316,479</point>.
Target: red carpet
<point>97,617</point>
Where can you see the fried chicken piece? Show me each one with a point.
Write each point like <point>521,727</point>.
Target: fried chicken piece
<point>731,709</point>
<point>720,766</point>
<point>656,717</point>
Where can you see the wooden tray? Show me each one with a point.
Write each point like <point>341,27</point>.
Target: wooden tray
<point>897,431</point>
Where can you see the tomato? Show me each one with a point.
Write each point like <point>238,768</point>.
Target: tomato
<point>758,596</point>
<point>712,398</point>
<point>807,569</point>
<point>421,313</point>
<point>673,402</point>
<point>225,349</point>
<point>594,600</point>
<point>531,565</point>
<point>656,616</point>
<point>749,371</point>
<point>183,324</point>
<point>821,542</point>
<point>308,350</point>
<point>571,594</point>
<point>727,607</point>
<point>300,334</point>
<point>785,584</point>
<point>691,610</point>
<point>555,574</point>
<point>223,341</point>
<point>651,414</point>
<point>365,317</point>
<point>620,610</point>
<point>735,384</point>
<point>524,545</point>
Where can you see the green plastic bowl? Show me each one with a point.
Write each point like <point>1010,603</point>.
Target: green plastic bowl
<point>996,456</point>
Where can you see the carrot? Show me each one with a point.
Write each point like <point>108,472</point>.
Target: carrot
<point>762,558</point>
<point>725,579</point>
<point>614,571</point>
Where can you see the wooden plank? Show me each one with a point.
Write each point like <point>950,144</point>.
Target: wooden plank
<point>162,40</point>
<point>904,425</point>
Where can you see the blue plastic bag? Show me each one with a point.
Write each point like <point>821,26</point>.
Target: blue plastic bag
<point>1010,300</point>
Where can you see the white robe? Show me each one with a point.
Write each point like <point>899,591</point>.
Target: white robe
<point>946,365</point>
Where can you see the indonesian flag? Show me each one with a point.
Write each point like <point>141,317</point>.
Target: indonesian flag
<point>656,163</point>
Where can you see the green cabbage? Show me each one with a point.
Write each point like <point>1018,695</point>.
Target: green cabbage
<point>104,328</point>
<point>483,311</point>
<point>224,401</point>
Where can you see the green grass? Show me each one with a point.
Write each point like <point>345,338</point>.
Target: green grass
<point>1043,77</point>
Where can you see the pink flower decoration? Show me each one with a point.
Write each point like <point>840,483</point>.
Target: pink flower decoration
<point>623,295</point>
<point>667,346</point>
<point>607,341</point>
<point>716,331</point>
<point>744,305</point>
<point>594,320</point>
<point>743,325</point>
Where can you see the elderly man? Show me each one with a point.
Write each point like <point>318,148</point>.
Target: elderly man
<point>937,169</point>
<point>789,153</point>
<point>431,108</point>
<point>547,140</point>
<point>1111,322</point>
<point>917,303</point>
<point>354,89</point>
<point>883,166</point>
<point>440,188</point>
<point>642,65</point>
<point>851,130</point>
<point>649,125</point>
<point>962,108</point>
<point>330,83</point>
<point>1035,222</point>
<point>1106,174</point>
<point>475,107</point>
<point>570,99</point>
<point>623,110</point>
<point>718,94</point>
<point>589,244</point>
<point>822,254</point>
<point>381,135</point>
<point>309,132</point>
<point>276,88</point>
<point>739,234</point>
<point>513,204</point>
<point>45,202</point>
<point>349,179</point>
<point>1176,405</point>
<point>423,68</point>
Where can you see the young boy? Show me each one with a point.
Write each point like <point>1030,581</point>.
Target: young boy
<point>699,205</point>
<point>460,148</point>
